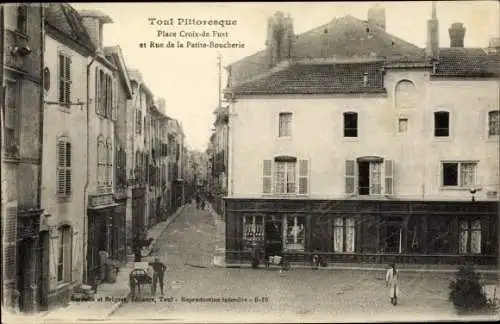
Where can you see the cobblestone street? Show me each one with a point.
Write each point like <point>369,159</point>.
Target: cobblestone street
<point>188,245</point>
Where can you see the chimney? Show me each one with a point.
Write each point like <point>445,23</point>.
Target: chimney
<point>279,38</point>
<point>93,20</point>
<point>457,34</point>
<point>432,48</point>
<point>376,16</point>
<point>494,46</point>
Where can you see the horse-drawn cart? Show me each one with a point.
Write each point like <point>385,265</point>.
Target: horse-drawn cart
<point>139,279</point>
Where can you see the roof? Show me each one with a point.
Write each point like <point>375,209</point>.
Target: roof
<point>116,52</point>
<point>94,13</point>
<point>303,78</point>
<point>467,62</point>
<point>342,37</point>
<point>66,20</point>
<point>136,75</point>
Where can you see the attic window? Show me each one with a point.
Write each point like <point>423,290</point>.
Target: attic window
<point>367,29</point>
<point>326,31</point>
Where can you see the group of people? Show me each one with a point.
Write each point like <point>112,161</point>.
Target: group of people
<point>200,202</point>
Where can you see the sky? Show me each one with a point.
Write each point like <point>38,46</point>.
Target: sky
<point>187,78</point>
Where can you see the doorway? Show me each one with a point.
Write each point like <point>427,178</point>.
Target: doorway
<point>364,178</point>
<point>43,273</point>
<point>25,269</point>
<point>274,237</point>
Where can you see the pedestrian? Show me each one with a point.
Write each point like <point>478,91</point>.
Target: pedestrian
<point>202,204</point>
<point>158,274</point>
<point>197,202</point>
<point>256,255</point>
<point>392,282</point>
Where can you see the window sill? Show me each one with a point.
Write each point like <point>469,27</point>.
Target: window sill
<point>456,188</point>
<point>284,195</point>
<point>64,108</point>
<point>442,139</point>
<point>493,139</point>
<point>284,138</point>
<point>64,199</point>
<point>350,139</point>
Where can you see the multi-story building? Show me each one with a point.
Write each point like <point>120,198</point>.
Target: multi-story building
<point>23,247</point>
<point>66,54</point>
<point>220,156</point>
<point>101,110</point>
<point>123,94</point>
<point>360,150</point>
<point>137,154</point>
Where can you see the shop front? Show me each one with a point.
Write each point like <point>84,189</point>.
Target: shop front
<point>362,231</point>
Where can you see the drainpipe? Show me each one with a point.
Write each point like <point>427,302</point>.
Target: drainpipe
<point>85,190</point>
<point>42,104</point>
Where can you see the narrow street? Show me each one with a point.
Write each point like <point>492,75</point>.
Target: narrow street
<point>188,245</point>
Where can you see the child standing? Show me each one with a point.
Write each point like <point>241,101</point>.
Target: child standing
<point>392,282</point>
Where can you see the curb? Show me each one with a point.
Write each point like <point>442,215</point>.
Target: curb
<point>248,266</point>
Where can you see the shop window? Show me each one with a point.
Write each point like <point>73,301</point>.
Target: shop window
<point>344,234</point>
<point>294,229</point>
<point>253,230</point>
<point>470,237</point>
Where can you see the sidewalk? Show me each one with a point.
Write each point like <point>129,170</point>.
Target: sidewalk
<point>109,296</point>
<point>219,258</point>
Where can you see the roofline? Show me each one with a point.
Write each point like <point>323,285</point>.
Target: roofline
<point>117,52</point>
<point>94,13</point>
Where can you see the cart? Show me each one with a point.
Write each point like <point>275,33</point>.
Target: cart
<point>138,278</point>
<point>277,260</point>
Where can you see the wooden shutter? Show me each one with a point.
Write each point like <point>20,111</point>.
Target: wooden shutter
<point>267,176</point>
<point>114,100</point>
<point>350,176</point>
<point>68,169</point>
<point>389,177</point>
<point>61,78</point>
<point>97,100</point>
<point>67,78</point>
<point>61,166</point>
<point>303,176</point>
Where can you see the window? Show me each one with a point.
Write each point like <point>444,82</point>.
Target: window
<point>101,162</point>
<point>403,125</point>
<point>441,124</point>
<point>406,95</point>
<point>11,112</point>
<point>367,177</point>
<point>64,256</point>
<point>138,122</point>
<point>459,174</point>
<point>109,162</point>
<point>22,19</point>
<point>64,80</point>
<point>494,123</point>
<point>285,177</point>
<point>253,230</point>
<point>285,124</point>
<point>63,172</point>
<point>350,124</point>
<point>294,228</point>
<point>344,234</point>
<point>470,237</point>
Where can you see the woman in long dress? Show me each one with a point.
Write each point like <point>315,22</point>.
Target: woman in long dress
<point>392,282</point>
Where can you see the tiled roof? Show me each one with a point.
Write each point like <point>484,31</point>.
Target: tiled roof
<point>303,78</point>
<point>467,62</point>
<point>65,19</point>
<point>343,37</point>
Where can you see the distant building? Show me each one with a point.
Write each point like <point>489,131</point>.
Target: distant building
<point>349,140</point>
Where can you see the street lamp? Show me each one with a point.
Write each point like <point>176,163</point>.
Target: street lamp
<point>473,192</point>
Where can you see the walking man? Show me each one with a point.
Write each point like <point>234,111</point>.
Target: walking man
<point>158,274</point>
<point>392,282</point>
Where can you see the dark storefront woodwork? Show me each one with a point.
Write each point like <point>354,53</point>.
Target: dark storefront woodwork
<point>364,231</point>
<point>118,250</point>
<point>138,210</point>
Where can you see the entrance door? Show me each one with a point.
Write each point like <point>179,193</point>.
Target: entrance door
<point>391,237</point>
<point>43,273</point>
<point>274,237</point>
<point>25,272</point>
<point>364,178</point>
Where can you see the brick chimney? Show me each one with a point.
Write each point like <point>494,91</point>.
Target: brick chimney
<point>279,38</point>
<point>93,20</point>
<point>457,34</point>
<point>432,48</point>
<point>376,16</point>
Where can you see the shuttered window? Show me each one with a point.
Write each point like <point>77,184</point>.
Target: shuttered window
<point>63,173</point>
<point>389,177</point>
<point>267,177</point>
<point>101,162</point>
<point>64,80</point>
<point>114,101</point>
<point>349,176</point>
<point>109,162</point>
<point>303,177</point>
<point>97,102</point>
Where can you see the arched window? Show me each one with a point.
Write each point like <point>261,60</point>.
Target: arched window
<point>109,162</point>
<point>64,257</point>
<point>63,167</point>
<point>406,95</point>
<point>101,161</point>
